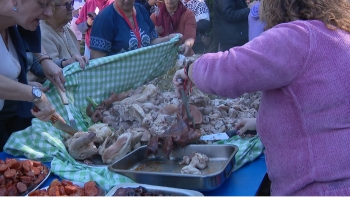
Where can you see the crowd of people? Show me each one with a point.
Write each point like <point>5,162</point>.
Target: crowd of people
<point>295,52</point>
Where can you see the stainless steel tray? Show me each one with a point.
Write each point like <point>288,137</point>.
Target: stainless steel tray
<point>168,191</point>
<point>167,172</point>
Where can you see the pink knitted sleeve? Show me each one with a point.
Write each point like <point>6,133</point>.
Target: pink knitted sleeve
<point>270,61</point>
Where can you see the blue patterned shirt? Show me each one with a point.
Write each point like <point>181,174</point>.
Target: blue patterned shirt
<point>111,34</point>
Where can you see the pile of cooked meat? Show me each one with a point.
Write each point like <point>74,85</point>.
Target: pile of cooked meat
<point>157,117</point>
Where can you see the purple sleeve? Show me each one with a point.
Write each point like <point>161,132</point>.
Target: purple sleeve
<point>272,60</point>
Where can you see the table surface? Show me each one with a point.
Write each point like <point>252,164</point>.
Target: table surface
<point>245,181</point>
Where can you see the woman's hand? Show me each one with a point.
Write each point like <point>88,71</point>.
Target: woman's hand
<point>185,49</point>
<point>245,124</point>
<point>39,85</point>
<point>178,80</point>
<point>159,29</point>
<point>46,109</point>
<point>90,18</point>
<point>174,35</point>
<point>53,73</point>
<point>76,58</point>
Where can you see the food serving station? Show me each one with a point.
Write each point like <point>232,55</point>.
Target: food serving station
<point>129,129</point>
<point>244,182</point>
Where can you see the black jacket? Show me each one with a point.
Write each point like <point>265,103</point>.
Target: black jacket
<point>231,22</point>
<point>24,40</point>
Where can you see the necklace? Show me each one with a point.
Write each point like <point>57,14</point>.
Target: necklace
<point>66,40</point>
<point>135,29</point>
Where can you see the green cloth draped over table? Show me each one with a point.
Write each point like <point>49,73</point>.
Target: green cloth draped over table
<point>248,149</point>
<point>116,73</point>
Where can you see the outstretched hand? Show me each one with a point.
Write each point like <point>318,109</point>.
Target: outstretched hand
<point>245,124</point>
<point>83,61</point>
<point>178,43</point>
<point>53,73</point>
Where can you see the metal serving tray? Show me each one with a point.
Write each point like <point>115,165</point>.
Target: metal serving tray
<point>167,172</point>
<point>168,191</point>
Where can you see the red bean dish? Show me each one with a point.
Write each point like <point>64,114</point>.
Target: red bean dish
<point>17,177</point>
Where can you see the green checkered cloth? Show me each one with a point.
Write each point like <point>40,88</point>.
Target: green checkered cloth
<point>43,142</point>
<point>248,149</point>
<point>116,73</point>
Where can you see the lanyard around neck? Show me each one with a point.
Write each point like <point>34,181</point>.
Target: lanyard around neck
<point>136,30</point>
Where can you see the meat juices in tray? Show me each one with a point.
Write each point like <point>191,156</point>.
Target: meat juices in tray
<point>20,176</point>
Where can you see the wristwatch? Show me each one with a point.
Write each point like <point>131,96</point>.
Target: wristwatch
<point>36,92</point>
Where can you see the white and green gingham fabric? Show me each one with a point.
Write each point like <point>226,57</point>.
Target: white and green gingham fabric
<point>116,73</point>
<point>248,149</point>
<point>43,142</point>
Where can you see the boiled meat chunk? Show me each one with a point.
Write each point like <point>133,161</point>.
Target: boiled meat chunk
<point>81,146</point>
<point>118,149</point>
<point>199,161</point>
<point>190,169</point>
<point>196,161</point>
<point>179,134</point>
<point>107,143</point>
<point>102,131</point>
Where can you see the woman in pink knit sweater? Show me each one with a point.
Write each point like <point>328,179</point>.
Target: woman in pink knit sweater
<point>301,64</point>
